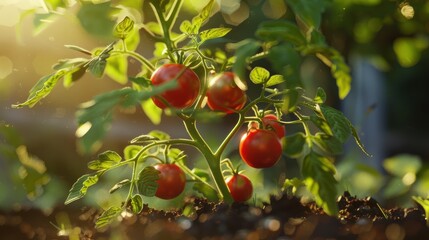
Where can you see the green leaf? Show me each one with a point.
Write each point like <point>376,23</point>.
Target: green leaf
<point>95,116</point>
<point>287,61</point>
<point>42,89</point>
<point>245,49</point>
<point>79,49</point>
<point>202,16</point>
<point>201,173</point>
<point>320,96</point>
<point>402,164</point>
<point>152,111</point>
<point>259,75</point>
<point>69,63</point>
<point>328,143</point>
<point>95,18</point>
<point>425,205</point>
<point>318,173</point>
<point>294,183</point>
<point>274,80</point>
<point>341,73</point>
<point>108,217</point>
<point>339,124</point>
<point>213,33</point>
<point>322,124</point>
<point>136,204</point>
<point>80,187</point>
<point>357,140</point>
<point>105,160</point>
<point>187,28</point>
<point>147,182</point>
<point>160,135</point>
<point>280,30</point>
<point>131,151</point>
<point>133,40</point>
<point>395,188</point>
<point>309,11</point>
<point>294,144</point>
<point>142,81</point>
<point>73,75</point>
<point>142,139</point>
<point>32,173</point>
<point>41,21</point>
<point>123,28</point>
<point>117,68</point>
<point>119,185</point>
<point>290,100</point>
<point>97,65</point>
<point>206,190</point>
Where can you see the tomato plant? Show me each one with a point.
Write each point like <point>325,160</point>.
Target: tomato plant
<point>240,186</point>
<point>224,95</point>
<point>260,148</point>
<point>182,51</point>
<point>171,181</point>
<point>184,94</point>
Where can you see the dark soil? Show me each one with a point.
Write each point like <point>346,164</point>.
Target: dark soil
<point>284,218</point>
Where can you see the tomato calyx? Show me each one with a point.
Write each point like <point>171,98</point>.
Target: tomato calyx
<point>271,122</point>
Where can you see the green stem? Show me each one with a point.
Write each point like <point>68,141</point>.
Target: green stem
<point>194,176</point>
<point>212,160</point>
<point>306,129</point>
<point>228,138</point>
<point>166,28</point>
<point>138,57</point>
<point>133,181</point>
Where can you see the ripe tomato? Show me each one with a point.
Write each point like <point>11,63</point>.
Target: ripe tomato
<point>184,94</point>
<point>269,122</point>
<point>240,187</point>
<point>224,95</point>
<point>260,148</point>
<point>171,181</point>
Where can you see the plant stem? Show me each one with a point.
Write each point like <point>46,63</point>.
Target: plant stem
<point>212,160</point>
<point>166,27</point>
<point>228,138</point>
<point>138,57</point>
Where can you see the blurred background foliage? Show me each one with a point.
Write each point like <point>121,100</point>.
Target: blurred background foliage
<point>393,36</point>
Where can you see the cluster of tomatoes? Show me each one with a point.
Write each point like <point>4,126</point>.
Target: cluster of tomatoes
<point>260,147</point>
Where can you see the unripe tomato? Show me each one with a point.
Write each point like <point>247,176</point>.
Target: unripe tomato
<point>224,95</point>
<point>269,122</point>
<point>184,94</point>
<point>171,182</point>
<point>240,187</point>
<point>260,148</point>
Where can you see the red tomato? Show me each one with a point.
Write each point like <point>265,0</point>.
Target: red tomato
<point>171,182</point>
<point>240,187</point>
<point>260,148</point>
<point>187,90</point>
<point>224,95</point>
<point>269,122</point>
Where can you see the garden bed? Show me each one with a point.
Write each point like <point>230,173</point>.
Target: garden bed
<point>284,218</point>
